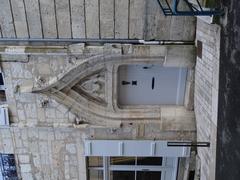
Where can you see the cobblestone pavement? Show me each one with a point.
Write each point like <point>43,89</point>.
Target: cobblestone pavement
<point>228,148</point>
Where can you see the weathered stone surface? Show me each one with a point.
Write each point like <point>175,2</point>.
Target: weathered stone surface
<point>30,110</point>
<point>20,19</point>
<point>25,168</point>
<point>48,142</point>
<point>33,18</point>
<point>92,19</point>
<point>107,18</point>
<point>206,95</point>
<point>63,18</point>
<point>6,21</point>
<point>121,19</point>
<point>157,25</point>
<point>177,27</point>
<point>78,18</point>
<point>137,19</point>
<point>49,23</point>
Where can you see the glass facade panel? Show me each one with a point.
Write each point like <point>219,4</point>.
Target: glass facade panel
<point>95,174</point>
<point>95,162</point>
<point>122,175</point>
<point>155,161</point>
<point>122,160</point>
<point>146,175</point>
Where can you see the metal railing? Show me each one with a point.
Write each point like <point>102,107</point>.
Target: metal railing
<point>193,9</point>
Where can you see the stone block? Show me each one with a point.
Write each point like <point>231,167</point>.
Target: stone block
<point>121,19</point>
<point>21,115</point>
<point>49,25</point>
<point>23,159</point>
<point>137,19</point>
<point>17,70</point>
<point>8,145</point>
<point>63,19</point>
<point>33,18</point>
<point>77,48</point>
<point>5,133</point>
<point>168,112</point>
<point>92,19</point>
<point>107,18</point>
<point>157,25</point>
<point>71,148</point>
<point>73,172</point>
<point>214,106</point>
<point>43,69</point>
<point>141,50</point>
<point>177,26</point>
<point>25,168</point>
<point>78,18</point>
<point>189,28</point>
<point>6,21</point>
<point>30,110</point>
<point>158,51</point>
<point>50,113</point>
<point>20,21</point>
<point>27,176</point>
<point>36,160</point>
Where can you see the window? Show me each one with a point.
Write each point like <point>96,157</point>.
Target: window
<point>132,168</point>
<point>8,168</point>
<point>199,49</point>
<point>2,90</point>
<point>151,84</point>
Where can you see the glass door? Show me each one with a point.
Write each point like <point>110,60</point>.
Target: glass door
<point>134,168</point>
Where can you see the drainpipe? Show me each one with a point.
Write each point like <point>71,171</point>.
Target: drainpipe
<point>14,41</point>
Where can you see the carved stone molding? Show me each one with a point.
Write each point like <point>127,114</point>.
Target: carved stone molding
<point>89,90</point>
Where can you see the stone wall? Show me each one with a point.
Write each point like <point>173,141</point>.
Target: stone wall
<point>27,108</point>
<point>34,109</point>
<point>43,135</point>
<point>206,95</point>
<point>142,19</point>
<point>53,153</point>
<point>57,153</point>
<point>44,153</point>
